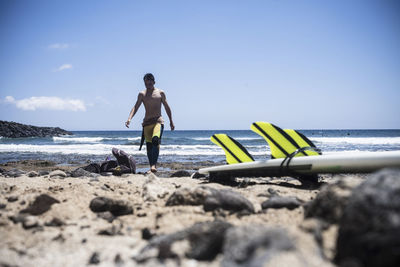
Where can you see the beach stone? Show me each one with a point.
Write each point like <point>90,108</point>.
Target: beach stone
<point>147,234</point>
<point>80,172</point>
<point>12,198</point>
<point>153,189</point>
<point>95,258</point>
<point>55,222</point>
<point>43,173</point>
<point>58,174</point>
<point>211,199</point>
<point>205,242</point>
<point>106,215</point>
<point>181,173</point>
<point>3,206</point>
<point>255,245</point>
<point>111,231</point>
<point>278,202</point>
<point>116,207</point>
<point>2,170</point>
<point>197,175</point>
<point>41,204</point>
<point>30,222</point>
<point>369,229</point>
<point>331,200</point>
<point>14,173</point>
<point>32,174</point>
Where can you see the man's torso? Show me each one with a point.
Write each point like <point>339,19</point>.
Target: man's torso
<point>152,103</point>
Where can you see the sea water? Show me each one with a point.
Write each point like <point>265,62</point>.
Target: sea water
<point>182,146</point>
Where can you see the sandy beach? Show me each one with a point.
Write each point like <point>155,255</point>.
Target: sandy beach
<point>71,233</point>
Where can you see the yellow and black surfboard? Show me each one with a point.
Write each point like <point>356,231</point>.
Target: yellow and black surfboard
<point>284,142</point>
<point>234,151</point>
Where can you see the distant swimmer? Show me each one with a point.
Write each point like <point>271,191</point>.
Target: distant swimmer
<point>153,123</point>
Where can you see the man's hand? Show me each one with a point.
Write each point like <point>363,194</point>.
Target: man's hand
<point>172,126</point>
<point>127,123</point>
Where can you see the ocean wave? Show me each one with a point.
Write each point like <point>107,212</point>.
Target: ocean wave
<point>92,139</point>
<point>358,140</point>
<point>236,138</point>
<point>105,149</point>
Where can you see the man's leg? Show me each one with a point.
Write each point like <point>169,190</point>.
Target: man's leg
<point>148,133</point>
<point>157,132</point>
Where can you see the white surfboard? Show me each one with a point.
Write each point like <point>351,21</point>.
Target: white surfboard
<point>353,162</point>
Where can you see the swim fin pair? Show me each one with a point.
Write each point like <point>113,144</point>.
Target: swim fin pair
<point>283,143</point>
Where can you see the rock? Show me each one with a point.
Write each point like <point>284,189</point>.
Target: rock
<point>278,202</point>
<point>58,173</point>
<point>32,174</point>
<point>14,173</point>
<point>12,198</point>
<point>153,189</point>
<point>147,234</point>
<point>43,173</point>
<point>79,172</point>
<point>116,207</point>
<point>108,216</point>
<point>2,170</point>
<point>211,199</point>
<point>27,221</point>
<point>55,222</point>
<point>205,242</point>
<point>111,231</point>
<point>3,206</point>
<point>254,245</point>
<point>94,259</point>
<point>369,229</point>
<point>197,175</point>
<point>181,173</point>
<point>11,129</point>
<point>30,222</point>
<point>41,204</point>
<point>331,200</point>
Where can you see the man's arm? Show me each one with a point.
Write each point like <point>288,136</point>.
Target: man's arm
<point>168,110</point>
<point>134,109</point>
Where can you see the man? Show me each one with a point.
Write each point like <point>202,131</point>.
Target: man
<point>153,123</point>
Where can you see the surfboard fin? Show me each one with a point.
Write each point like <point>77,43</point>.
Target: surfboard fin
<point>284,143</point>
<point>234,151</point>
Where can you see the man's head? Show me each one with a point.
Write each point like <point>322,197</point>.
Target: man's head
<point>149,80</point>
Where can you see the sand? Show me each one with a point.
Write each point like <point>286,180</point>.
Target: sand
<point>75,242</point>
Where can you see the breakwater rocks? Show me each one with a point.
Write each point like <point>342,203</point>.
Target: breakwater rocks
<point>16,130</point>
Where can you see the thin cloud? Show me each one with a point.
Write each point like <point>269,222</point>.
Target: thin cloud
<point>47,103</point>
<point>64,67</point>
<point>59,46</point>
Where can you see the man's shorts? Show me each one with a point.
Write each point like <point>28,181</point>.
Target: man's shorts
<point>153,130</point>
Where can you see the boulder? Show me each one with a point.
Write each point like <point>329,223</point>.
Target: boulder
<point>369,229</point>
<point>331,200</point>
<point>181,173</point>
<point>278,202</point>
<point>40,205</point>
<point>211,199</point>
<point>116,207</point>
<point>58,174</point>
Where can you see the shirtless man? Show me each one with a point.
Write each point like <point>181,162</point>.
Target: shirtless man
<point>153,123</point>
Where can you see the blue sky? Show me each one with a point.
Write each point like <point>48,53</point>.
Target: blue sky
<point>223,64</point>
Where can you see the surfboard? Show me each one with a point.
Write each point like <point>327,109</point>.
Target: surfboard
<point>350,162</point>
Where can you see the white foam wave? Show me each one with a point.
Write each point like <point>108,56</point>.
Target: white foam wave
<point>358,140</point>
<point>91,139</point>
<point>105,149</point>
<point>236,138</point>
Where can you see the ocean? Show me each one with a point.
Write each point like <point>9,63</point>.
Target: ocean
<point>181,146</point>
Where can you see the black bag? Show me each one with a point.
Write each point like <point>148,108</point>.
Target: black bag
<point>108,165</point>
<point>92,167</point>
<point>125,160</point>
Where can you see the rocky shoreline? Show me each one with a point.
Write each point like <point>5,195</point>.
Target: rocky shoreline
<point>52,217</point>
<point>11,129</point>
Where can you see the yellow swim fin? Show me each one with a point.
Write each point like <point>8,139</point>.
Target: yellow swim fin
<point>284,142</point>
<point>234,151</point>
